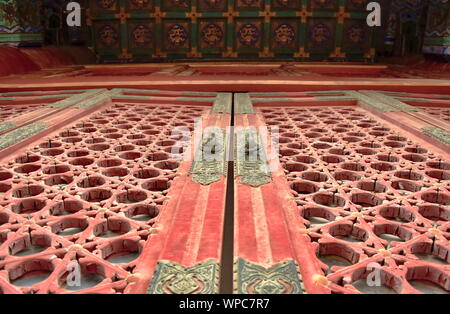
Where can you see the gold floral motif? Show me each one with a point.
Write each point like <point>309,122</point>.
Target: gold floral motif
<point>177,35</point>
<point>284,34</point>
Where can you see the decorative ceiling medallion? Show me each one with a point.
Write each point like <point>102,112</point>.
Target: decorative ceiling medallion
<point>284,35</point>
<point>320,34</point>
<point>212,4</point>
<point>108,36</point>
<point>106,4</point>
<point>141,4</point>
<point>249,35</point>
<point>248,3</point>
<point>286,4</point>
<point>177,35</point>
<point>212,34</point>
<point>141,36</point>
<point>179,3</point>
<point>356,33</point>
<point>323,4</point>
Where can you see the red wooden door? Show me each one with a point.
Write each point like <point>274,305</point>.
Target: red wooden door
<point>139,191</point>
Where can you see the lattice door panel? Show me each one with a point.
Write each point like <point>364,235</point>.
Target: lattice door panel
<point>87,204</point>
<point>347,188</point>
<point>364,203</point>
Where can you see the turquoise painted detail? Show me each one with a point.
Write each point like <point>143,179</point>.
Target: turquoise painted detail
<point>196,99</point>
<point>328,92</point>
<point>336,98</point>
<point>21,134</point>
<point>438,133</point>
<point>268,94</point>
<point>243,104</point>
<point>396,104</point>
<point>223,103</point>
<point>271,99</point>
<point>369,101</point>
<point>4,126</point>
<point>75,99</point>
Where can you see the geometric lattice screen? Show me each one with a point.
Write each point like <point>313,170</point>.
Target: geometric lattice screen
<point>146,30</point>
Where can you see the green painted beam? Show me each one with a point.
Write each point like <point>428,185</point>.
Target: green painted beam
<point>20,134</point>
<point>438,133</point>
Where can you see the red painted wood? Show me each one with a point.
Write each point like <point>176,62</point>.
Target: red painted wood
<point>14,61</point>
<point>401,138</point>
<point>225,84</point>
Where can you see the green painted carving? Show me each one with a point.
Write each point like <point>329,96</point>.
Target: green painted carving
<point>223,103</point>
<point>154,97</point>
<point>42,97</point>
<point>20,134</point>
<point>270,99</point>
<point>254,180</point>
<point>131,90</point>
<point>156,91</point>
<point>336,98</point>
<point>4,126</point>
<point>134,97</point>
<point>75,99</point>
<point>210,158</point>
<point>268,94</point>
<point>438,133</point>
<point>440,96</point>
<point>282,278</point>
<point>396,104</point>
<point>250,159</point>
<point>371,102</point>
<point>413,99</point>
<point>325,93</point>
<point>197,99</point>
<point>94,101</point>
<point>200,94</point>
<point>173,278</point>
<point>45,97</point>
<point>28,93</point>
<point>394,93</point>
<point>243,104</point>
